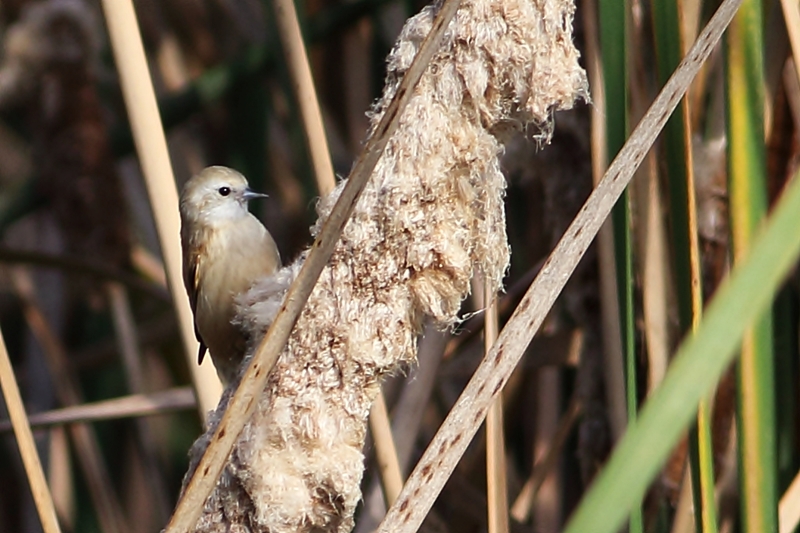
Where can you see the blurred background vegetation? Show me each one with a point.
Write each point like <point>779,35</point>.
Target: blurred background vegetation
<point>87,318</point>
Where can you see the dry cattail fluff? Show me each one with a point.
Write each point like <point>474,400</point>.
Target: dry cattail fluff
<point>430,217</point>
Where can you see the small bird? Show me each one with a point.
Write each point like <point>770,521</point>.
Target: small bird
<point>225,249</point>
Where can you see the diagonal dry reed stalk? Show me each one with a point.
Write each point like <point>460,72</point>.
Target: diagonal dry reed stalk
<point>26,444</point>
<point>460,426</point>
<point>430,218</point>
<point>128,346</point>
<point>306,95</point>
<point>255,377</point>
<point>87,448</point>
<point>521,509</point>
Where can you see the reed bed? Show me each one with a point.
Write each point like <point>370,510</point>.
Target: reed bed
<point>575,221</point>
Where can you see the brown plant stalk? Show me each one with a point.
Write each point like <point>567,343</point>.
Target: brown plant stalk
<point>450,442</point>
<point>240,406</point>
<point>430,217</point>
<point>27,446</point>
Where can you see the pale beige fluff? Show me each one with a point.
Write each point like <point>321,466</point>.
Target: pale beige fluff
<point>431,215</point>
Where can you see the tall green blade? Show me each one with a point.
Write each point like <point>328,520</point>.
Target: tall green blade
<point>613,15</point>
<point>686,255</point>
<point>697,367</point>
<point>748,205</point>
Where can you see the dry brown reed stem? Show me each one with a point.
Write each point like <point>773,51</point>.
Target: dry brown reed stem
<point>460,426</point>
<point>385,450</point>
<point>303,87</point>
<point>521,509</point>
<point>101,490</point>
<point>61,478</point>
<point>652,248</point>
<point>683,521</point>
<point>26,444</point>
<point>690,14</point>
<point>655,287</point>
<point>147,264</point>
<point>151,145</point>
<point>496,490</point>
<point>128,347</point>
<point>241,405</point>
<point>125,334</point>
<point>430,218</point>
<point>135,405</point>
<point>612,341</point>
<point>684,511</point>
<point>385,454</point>
<point>408,412</point>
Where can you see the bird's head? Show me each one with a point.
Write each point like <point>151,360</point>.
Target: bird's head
<point>215,196</point>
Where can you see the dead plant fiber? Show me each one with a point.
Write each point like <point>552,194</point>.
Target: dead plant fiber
<point>430,217</point>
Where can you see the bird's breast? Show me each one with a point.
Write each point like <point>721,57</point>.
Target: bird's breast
<point>234,258</point>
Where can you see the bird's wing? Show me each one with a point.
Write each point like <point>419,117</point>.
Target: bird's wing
<point>201,351</point>
<point>191,278</point>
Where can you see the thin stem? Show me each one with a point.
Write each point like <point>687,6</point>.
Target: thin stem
<point>303,84</point>
<point>128,346</point>
<point>27,447</point>
<point>461,424</point>
<point>521,510</point>
<point>87,448</point>
<point>386,454</point>
<point>151,145</point>
<point>255,377</point>
<point>135,405</point>
<point>497,492</point>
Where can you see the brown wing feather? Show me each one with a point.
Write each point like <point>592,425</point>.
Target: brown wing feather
<point>191,277</point>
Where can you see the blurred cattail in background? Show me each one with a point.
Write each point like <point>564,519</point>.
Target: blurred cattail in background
<point>50,71</point>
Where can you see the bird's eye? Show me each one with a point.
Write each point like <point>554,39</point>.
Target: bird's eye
<point>224,191</point>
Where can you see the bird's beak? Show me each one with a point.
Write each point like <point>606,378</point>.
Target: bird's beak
<point>250,194</point>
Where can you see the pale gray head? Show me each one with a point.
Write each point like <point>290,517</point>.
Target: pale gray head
<point>215,196</point>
